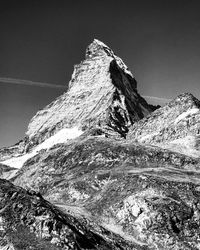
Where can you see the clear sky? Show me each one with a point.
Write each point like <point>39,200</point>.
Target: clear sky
<point>41,41</point>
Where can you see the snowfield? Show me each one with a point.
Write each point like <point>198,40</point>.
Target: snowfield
<point>185,114</point>
<point>187,145</point>
<point>61,136</point>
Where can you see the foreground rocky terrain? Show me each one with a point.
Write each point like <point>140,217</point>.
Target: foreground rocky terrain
<point>100,168</point>
<point>29,222</point>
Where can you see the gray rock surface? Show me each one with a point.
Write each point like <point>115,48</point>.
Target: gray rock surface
<point>175,126</point>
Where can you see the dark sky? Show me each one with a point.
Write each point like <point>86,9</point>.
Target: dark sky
<point>42,40</point>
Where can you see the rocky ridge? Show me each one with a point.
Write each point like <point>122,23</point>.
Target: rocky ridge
<point>177,126</point>
<point>27,221</point>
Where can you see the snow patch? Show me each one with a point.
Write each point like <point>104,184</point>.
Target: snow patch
<point>188,141</point>
<point>17,162</point>
<point>187,145</point>
<point>61,136</point>
<point>185,114</point>
<point>146,137</point>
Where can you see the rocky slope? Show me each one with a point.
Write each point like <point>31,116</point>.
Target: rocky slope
<point>27,221</point>
<point>146,195</point>
<point>17,149</point>
<point>55,168</point>
<point>177,126</point>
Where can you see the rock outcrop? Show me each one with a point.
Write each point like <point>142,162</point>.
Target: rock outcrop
<point>17,149</point>
<point>27,221</point>
<point>175,126</point>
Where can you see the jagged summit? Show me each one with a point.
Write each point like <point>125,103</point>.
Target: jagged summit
<point>102,96</point>
<point>98,48</point>
<point>185,99</point>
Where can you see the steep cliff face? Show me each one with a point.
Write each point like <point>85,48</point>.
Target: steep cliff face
<point>102,96</point>
<point>175,126</point>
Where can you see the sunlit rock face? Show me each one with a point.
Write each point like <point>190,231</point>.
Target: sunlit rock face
<point>175,126</point>
<point>102,96</point>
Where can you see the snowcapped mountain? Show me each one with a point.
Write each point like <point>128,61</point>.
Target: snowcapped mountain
<point>115,172</point>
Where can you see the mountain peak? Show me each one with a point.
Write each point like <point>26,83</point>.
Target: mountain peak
<point>96,48</point>
<point>186,96</point>
<point>100,43</point>
<point>186,99</point>
<point>101,50</point>
<point>102,99</point>
<point>177,126</point>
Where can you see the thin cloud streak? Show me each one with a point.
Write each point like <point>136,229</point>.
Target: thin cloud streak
<point>30,83</point>
<point>158,98</point>
<point>49,85</point>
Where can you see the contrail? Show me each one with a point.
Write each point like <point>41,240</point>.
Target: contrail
<point>31,83</point>
<point>49,85</point>
<point>158,98</point>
